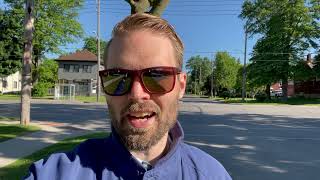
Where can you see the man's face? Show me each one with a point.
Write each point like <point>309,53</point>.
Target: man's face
<point>140,118</point>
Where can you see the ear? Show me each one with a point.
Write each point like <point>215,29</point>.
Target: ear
<point>182,80</point>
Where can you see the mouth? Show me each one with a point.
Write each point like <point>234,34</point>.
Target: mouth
<point>141,119</point>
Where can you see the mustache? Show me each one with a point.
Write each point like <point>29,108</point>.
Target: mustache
<point>141,106</point>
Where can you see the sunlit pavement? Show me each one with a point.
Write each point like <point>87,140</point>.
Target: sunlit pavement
<point>256,142</point>
<point>253,142</point>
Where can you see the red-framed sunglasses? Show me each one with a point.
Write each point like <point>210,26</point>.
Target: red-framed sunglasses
<point>155,80</point>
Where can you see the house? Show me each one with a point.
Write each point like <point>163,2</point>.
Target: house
<point>309,88</point>
<point>77,74</point>
<point>11,83</point>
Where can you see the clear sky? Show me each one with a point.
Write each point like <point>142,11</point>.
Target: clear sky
<point>205,26</point>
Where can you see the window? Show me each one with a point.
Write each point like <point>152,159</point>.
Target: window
<point>87,68</point>
<point>15,84</point>
<point>4,84</point>
<point>74,68</point>
<point>66,68</point>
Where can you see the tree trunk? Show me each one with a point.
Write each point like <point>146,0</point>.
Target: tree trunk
<point>268,91</point>
<point>142,6</point>
<point>285,89</point>
<point>27,61</point>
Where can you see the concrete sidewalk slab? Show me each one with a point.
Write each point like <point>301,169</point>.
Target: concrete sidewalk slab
<point>50,133</point>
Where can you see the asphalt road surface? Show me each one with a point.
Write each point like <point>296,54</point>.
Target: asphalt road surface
<point>253,142</point>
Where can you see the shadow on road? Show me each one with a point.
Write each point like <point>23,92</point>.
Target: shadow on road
<point>255,146</point>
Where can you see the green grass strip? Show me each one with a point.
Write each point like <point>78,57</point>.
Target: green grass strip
<point>9,131</point>
<point>19,168</point>
<point>3,118</point>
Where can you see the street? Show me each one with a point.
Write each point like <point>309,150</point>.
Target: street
<point>253,142</point>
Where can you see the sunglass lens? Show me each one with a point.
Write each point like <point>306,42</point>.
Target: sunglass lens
<point>158,80</point>
<point>116,83</point>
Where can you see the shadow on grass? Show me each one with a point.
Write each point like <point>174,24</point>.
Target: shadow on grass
<point>11,131</point>
<point>3,118</point>
<point>19,168</point>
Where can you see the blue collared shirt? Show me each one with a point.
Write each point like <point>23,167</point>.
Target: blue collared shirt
<point>108,159</point>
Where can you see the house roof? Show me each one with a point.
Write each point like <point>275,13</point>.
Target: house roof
<point>83,55</point>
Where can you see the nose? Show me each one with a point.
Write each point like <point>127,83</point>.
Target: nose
<point>137,91</point>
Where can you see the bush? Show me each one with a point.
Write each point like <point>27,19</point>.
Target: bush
<point>225,95</point>
<point>41,89</point>
<point>261,97</point>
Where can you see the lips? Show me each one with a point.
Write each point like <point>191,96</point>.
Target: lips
<point>141,119</point>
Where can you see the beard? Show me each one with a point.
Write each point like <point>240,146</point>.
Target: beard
<point>142,139</point>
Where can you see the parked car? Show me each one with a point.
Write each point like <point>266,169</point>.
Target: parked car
<point>276,93</point>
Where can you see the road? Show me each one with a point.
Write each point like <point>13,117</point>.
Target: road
<point>252,141</point>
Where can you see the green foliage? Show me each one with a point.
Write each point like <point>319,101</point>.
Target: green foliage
<point>261,97</point>
<point>11,43</point>
<point>55,24</point>
<point>225,94</point>
<point>226,71</point>
<point>317,65</point>
<point>48,76</point>
<point>155,7</point>
<point>90,43</point>
<point>287,28</point>
<point>199,71</point>
<point>302,72</point>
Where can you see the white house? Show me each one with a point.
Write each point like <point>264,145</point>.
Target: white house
<point>11,83</point>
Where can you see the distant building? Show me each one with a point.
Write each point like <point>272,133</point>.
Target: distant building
<point>11,83</point>
<point>78,70</point>
<point>309,88</point>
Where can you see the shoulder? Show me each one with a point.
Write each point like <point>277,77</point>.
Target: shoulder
<point>63,163</point>
<point>203,163</point>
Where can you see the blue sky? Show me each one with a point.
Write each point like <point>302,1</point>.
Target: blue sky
<point>205,26</point>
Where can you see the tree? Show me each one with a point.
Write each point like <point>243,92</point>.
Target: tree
<point>55,24</point>
<point>199,70</point>
<point>317,65</point>
<point>10,43</point>
<point>226,70</point>
<point>155,7</point>
<point>291,25</point>
<point>48,76</point>
<point>90,43</point>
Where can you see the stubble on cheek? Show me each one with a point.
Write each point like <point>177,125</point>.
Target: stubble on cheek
<point>141,139</point>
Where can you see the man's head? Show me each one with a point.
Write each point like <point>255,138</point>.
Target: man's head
<point>143,81</point>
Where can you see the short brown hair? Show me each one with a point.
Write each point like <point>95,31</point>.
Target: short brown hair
<point>154,24</point>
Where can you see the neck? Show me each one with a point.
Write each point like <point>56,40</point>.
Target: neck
<point>155,152</point>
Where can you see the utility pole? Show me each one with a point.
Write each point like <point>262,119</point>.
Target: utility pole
<point>98,47</point>
<point>200,81</point>
<point>211,86</point>
<point>26,69</point>
<point>244,65</point>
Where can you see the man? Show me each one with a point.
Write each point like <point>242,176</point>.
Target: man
<point>143,83</point>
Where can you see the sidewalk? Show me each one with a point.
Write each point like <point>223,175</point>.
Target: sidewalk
<point>49,134</point>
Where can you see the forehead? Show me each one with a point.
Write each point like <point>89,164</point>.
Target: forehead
<point>140,49</point>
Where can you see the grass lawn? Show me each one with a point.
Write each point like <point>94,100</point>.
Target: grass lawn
<point>291,101</point>
<point>2,118</point>
<point>18,97</point>
<point>9,97</point>
<point>85,99</point>
<point>90,99</point>
<point>19,168</point>
<point>11,131</point>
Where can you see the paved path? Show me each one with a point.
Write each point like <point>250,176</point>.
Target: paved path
<point>57,119</point>
<point>253,142</point>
